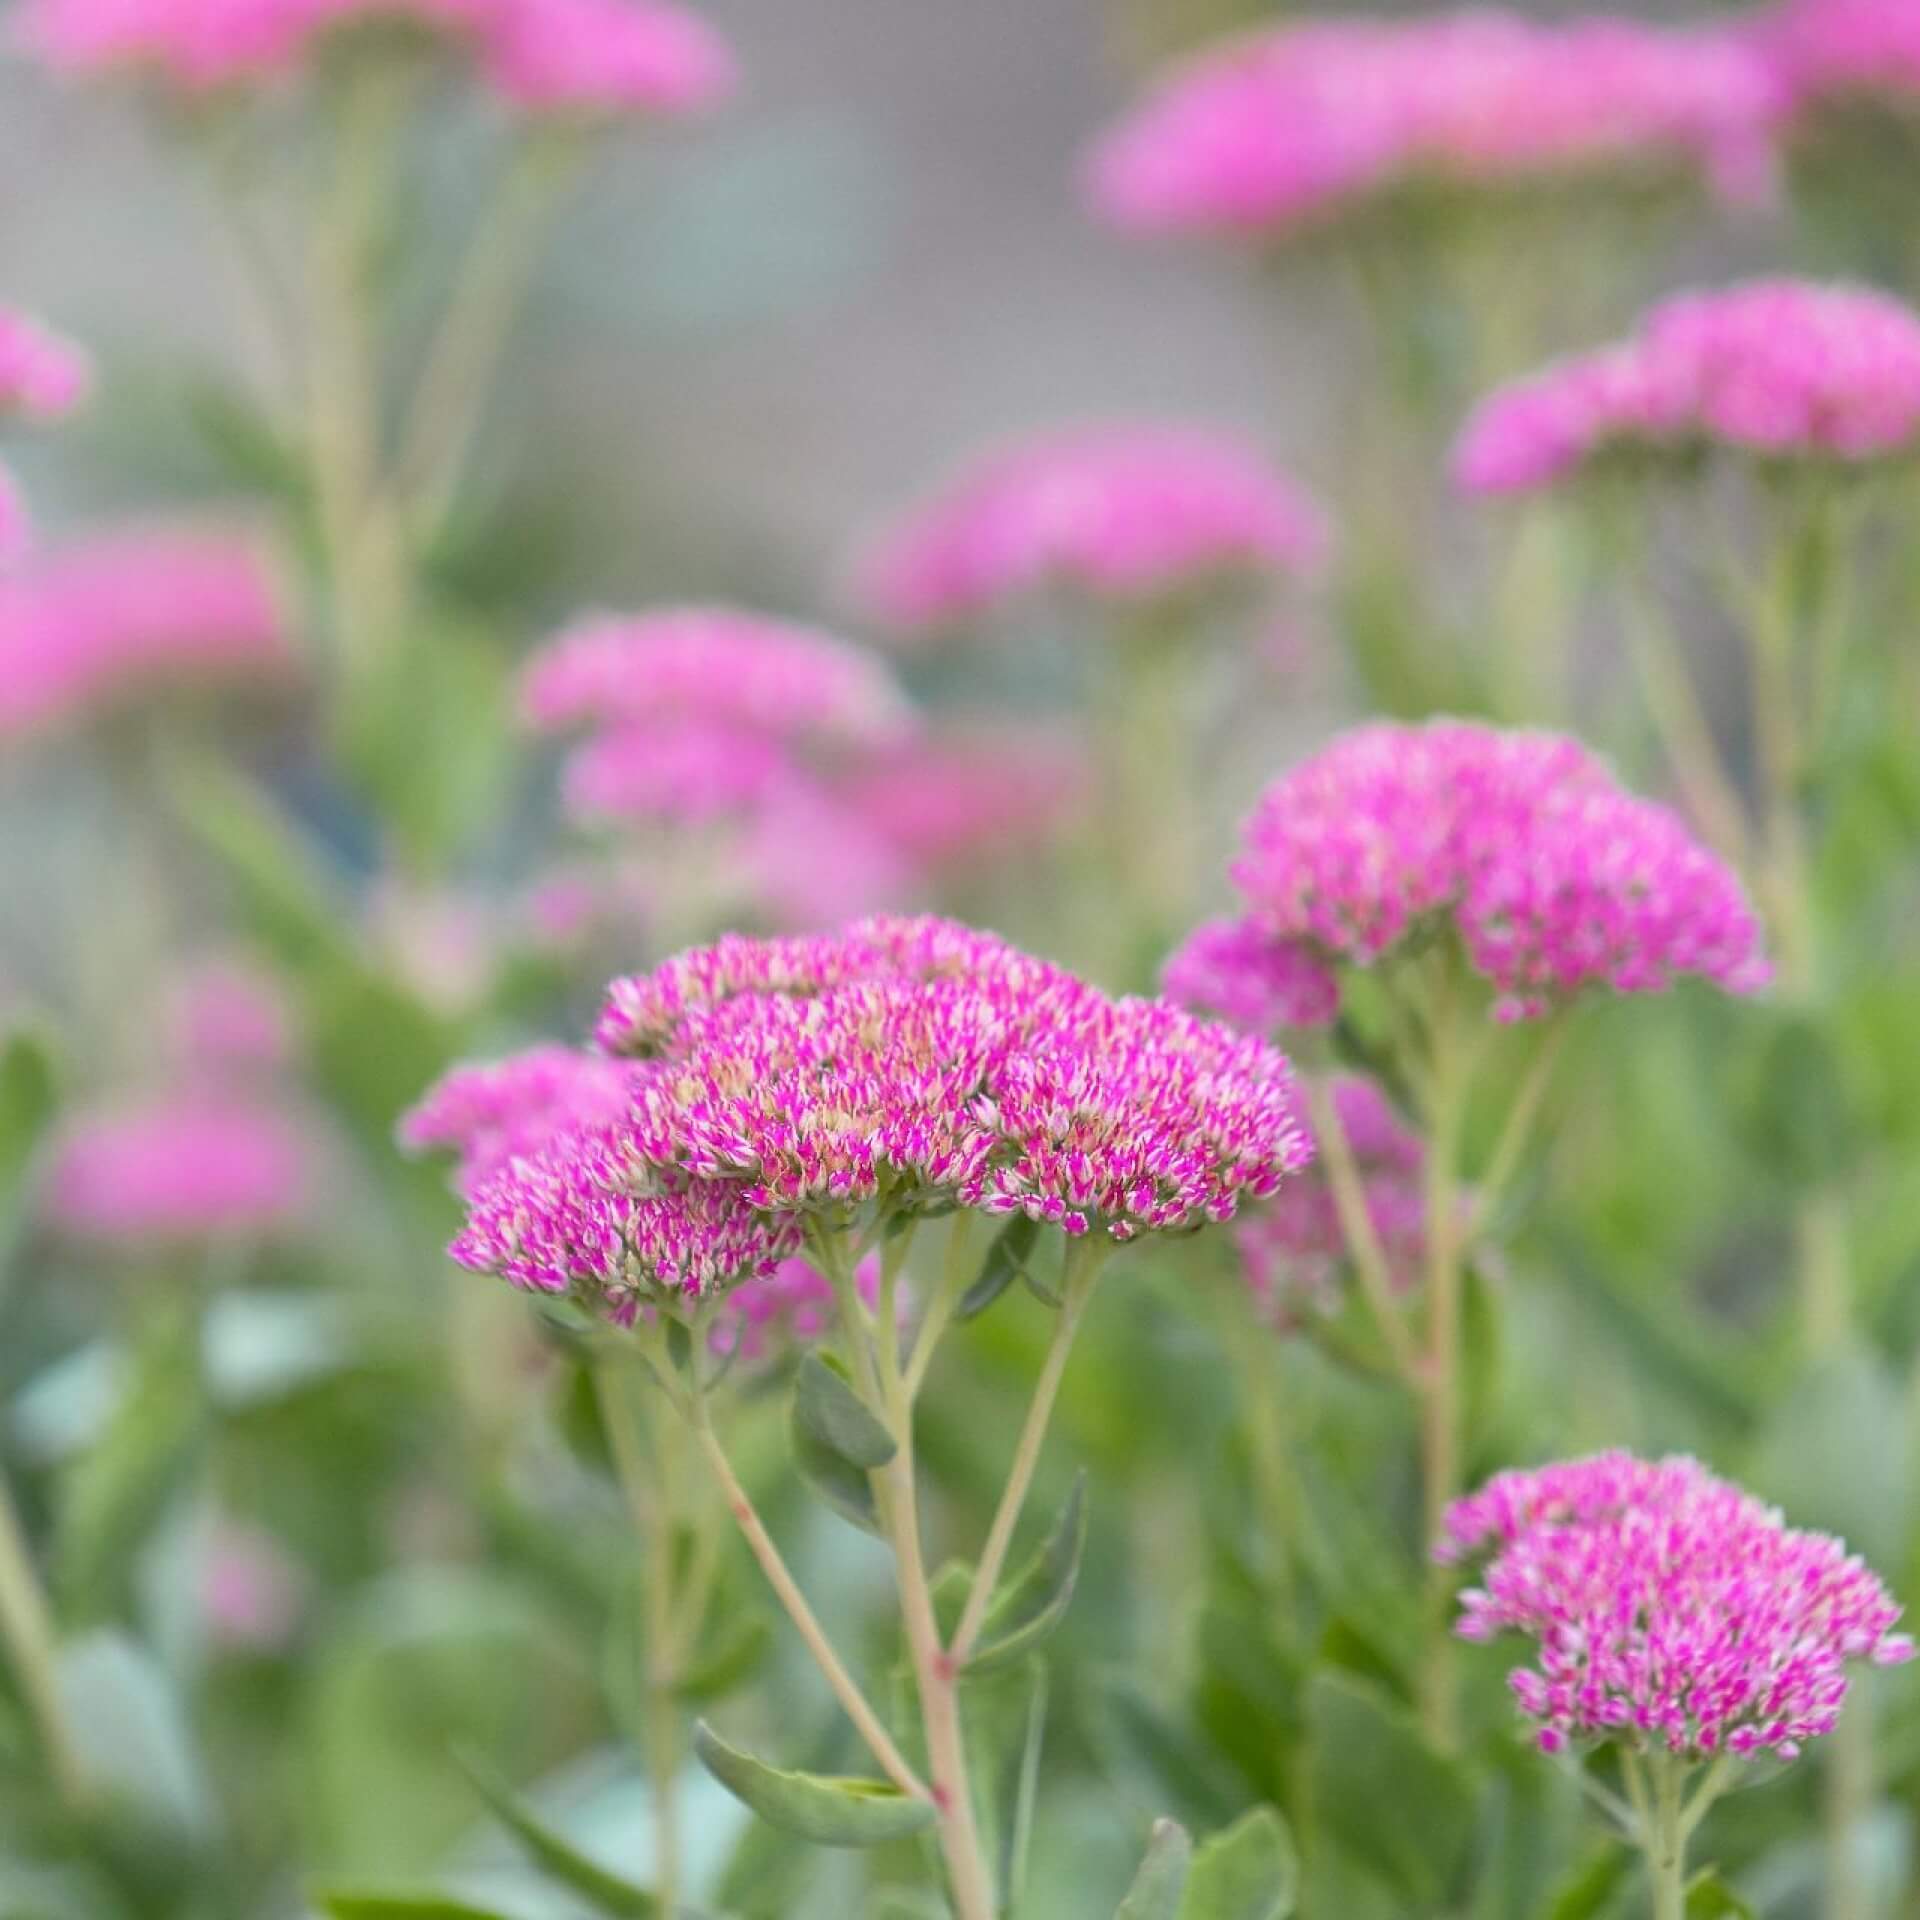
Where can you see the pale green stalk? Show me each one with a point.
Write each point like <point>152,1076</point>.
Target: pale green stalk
<point>26,1625</point>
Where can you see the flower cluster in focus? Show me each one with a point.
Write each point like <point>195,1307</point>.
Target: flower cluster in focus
<point>1553,877</point>
<point>1669,1607</point>
<point>908,1064</point>
<point>1780,369</point>
<point>1300,123</point>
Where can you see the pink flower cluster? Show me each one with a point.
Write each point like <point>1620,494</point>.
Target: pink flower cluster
<point>1118,512</point>
<point>229,1017</point>
<point>1553,878</point>
<point>571,58</point>
<point>1781,369</point>
<point>41,378</point>
<point>132,612</point>
<point>899,1063</point>
<point>1300,123</point>
<point>702,713</point>
<point>1294,1249</point>
<point>189,1165</point>
<point>1669,1607</point>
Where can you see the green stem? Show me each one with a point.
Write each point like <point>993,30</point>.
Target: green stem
<point>1441,1403</point>
<point>1665,1840</point>
<point>26,1625</point>
<point>465,356</point>
<point>1084,1260</point>
<point>1848,1795</point>
<point>955,1272</point>
<point>786,1590</point>
<point>1250,1356</point>
<point>648,1501</point>
<point>1518,1128</point>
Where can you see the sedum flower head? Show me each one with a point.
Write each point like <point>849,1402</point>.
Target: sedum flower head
<point>1835,49</point>
<point>1296,125</point>
<point>1293,1248</point>
<point>1668,1607</point>
<point>1232,969</point>
<point>591,59</point>
<point>135,612</point>
<point>1552,877</point>
<point>901,1063</point>
<point>227,1016</point>
<point>189,1165</point>
<point>1778,369</point>
<point>1123,513</point>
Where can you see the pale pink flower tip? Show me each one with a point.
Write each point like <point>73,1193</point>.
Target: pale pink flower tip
<point>135,613</point>
<point>1296,124</point>
<point>1552,877</point>
<point>186,1166</point>
<point>598,57</point>
<point>1669,1608</point>
<point>1783,369</point>
<point>780,1080</point>
<point>1119,512</point>
<point>42,377</point>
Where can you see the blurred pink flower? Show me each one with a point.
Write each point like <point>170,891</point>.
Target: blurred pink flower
<point>1125,512</point>
<point>228,1014</point>
<point>1302,122</point>
<point>811,859</point>
<point>1294,1248</point>
<point>591,58</point>
<point>715,666</point>
<point>1829,48</point>
<point>1669,1608</point>
<point>135,612</point>
<point>183,1166</point>
<point>970,794</point>
<point>1233,969</point>
<point>42,377</point>
<point>490,1113</point>
<point>1775,368</point>
<point>251,1592</point>
<point>687,774</point>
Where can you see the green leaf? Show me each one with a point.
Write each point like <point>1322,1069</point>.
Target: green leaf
<point>1036,1601</point>
<point>1162,1879</point>
<point>1160,1759</point>
<point>1249,1872</point>
<point>1006,1259</point>
<point>134,1736</point>
<point>1710,1898</point>
<point>1797,1117</point>
<point>1384,1794</point>
<point>825,1403</point>
<point>339,1905</point>
<point>1589,1891</point>
<point>829,1810</point>
<point>732,1649</point>
<point>830,1474</point>
<point>605,1892</point>
<point>27,1102</point>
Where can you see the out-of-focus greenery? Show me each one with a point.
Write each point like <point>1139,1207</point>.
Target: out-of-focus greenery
<point>450,1706</point>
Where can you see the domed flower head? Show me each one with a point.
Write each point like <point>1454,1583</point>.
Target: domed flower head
<point>1669,1608</point>
<point>701,712</point>
<point>904,1064</point>
<point>1776,369</point>
<point>1232,969</point>
<point>595,59</point>
<point>1120,513</point>
<point>1552,878</point>
<point>135,613</point>
<point>1294,1247</point>
<point>191,1165</point>
<point>1296,125</point>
